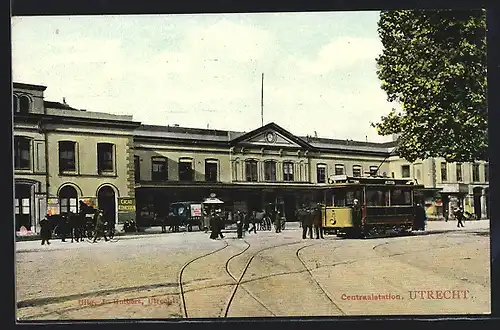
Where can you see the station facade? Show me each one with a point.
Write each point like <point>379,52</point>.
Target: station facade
<point>63,155</point>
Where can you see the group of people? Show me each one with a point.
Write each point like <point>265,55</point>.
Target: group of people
<point>74,226</point>
<point>245,222</point>
<point>310,216</point>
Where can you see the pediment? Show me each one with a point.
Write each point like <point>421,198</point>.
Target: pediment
<point>270,136</point>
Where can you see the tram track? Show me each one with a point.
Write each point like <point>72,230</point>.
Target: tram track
<point>247,265</point>
<point>181,286</point>
<point>325,292</point>
<point>240,281</point>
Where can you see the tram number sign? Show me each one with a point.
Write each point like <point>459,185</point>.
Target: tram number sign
<point>126,204</point>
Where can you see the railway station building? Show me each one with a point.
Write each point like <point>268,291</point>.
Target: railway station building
<point>63,155</point>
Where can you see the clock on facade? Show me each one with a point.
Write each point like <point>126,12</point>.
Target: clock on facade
<point>270,137</point>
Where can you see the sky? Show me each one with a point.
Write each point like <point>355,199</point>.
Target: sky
<point>205,70</point>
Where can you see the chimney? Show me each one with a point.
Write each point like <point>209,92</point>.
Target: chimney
<point>64,100</point>
<point>315,134</point>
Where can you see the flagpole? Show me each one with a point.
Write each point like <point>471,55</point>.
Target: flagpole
<point>262,101</point>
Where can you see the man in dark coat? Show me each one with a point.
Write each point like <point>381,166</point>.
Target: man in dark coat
<point>213,225</point>
<point>318,221</point>
<point>419,223</point>
<point>99,226</point>
<point>357,214</point>
<point>45,231</point>
<point>459,215</point>
<point>307,221</point>
<point>220,224</point>
<point>253,221</point>
<point>276,219</point>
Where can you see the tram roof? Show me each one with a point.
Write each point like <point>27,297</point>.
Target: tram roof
<point>344,180</point>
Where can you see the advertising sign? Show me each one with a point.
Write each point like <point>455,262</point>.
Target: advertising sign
<point>196,210</point>
<point>126,204</point>
<point>90,201</point>
<point>53,206</point>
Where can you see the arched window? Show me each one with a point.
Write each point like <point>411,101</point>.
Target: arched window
<point>22,153</point>
<point>287,171</point>
<point>15,103</point>
<point>270,170</point>
<point>68,200</point>
<point>24,104</point>
<point>251,170</point>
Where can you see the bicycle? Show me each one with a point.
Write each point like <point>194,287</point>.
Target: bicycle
<point>109,231</point>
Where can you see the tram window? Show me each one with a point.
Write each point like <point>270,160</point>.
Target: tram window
<point>377,197</point>
<point>351,196</point>
<point>400,197</point>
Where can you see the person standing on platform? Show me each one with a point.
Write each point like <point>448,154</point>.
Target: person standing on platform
<point>318,221</point>
<point>45,231</point>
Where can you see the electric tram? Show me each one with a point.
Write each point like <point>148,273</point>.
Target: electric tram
<point>387,205</point>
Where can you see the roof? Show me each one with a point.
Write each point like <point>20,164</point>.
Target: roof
<point>29,86</point>
<point>57,105</point>
<point>234,137</point>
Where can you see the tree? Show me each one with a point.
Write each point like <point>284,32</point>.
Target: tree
<point>434,64</point>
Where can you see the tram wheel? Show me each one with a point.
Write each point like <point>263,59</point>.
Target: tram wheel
<point>189,228</point>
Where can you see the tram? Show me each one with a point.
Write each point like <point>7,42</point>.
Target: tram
<point>387,205</point>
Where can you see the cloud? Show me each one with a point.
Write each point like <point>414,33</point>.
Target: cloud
<point>341,53</point>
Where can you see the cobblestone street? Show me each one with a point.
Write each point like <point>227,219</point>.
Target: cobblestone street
<point>443,271</point>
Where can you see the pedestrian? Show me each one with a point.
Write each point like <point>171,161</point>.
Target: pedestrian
<point>253,221</point>
<point>357,216</point>
<point>206,221</point>
<point>318,221</point>
<point>306,222</point>
<point>276,218</point>
<point>459,215</point>
<point>239,228</point>
<point>419,220</point>
<point>45,231</point>
<point>163,220</point>
<point>213,225</point>
<point>99,225</point>
<point>219,220</point>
